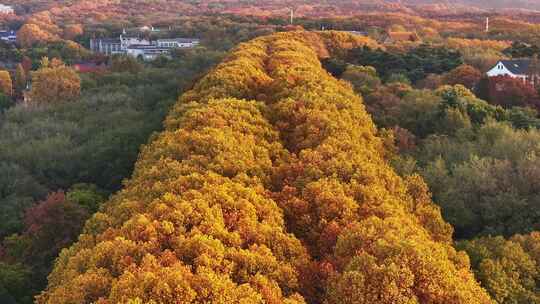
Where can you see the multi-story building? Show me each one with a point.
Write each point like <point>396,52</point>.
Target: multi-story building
<point>6,9</point>
<point>129,41</point>
<point>146,52</point>
<point>177,43</point>
<point>139,47</point>
<point>8,36</point>
<point>109,46</point>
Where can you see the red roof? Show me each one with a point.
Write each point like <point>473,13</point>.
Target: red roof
<point>88,67</point>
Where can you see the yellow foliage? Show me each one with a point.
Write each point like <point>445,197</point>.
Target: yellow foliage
<point>194,224</point>
<point>6,84</point>
<point>204,217</point>
<point>54,82</point>
<point>507,268</point>
<point>73,31</point>
<point>461,43</point>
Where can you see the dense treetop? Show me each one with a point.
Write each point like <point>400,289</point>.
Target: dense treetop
<point>509,269</point>
<point>270,182</point>
<point>55,146</point>
<point>269,185</point>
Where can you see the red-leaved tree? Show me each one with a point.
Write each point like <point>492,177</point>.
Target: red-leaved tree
<point>510,92</point>
<point>53,224</point>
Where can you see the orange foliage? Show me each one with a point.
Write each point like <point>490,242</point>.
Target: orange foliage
<point>465,75</point>
<point>208,203</point>
<point>460,43</point>
<point>54,82</point>
<point>6,84</point>
<point>30,34</point>
<point>73,31</point>
<point>39,28</point>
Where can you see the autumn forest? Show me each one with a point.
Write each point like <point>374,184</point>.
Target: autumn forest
<point>295,152</point>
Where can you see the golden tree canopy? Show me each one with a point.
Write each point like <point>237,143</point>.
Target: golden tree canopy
<point>39,28</point>
<point>73,31</point>
<point>31,34</point>
<point>54,82</point>
<point>268,185</point>
<point>6,84</point>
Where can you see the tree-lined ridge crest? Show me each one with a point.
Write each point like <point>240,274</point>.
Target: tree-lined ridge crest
<point>268,185</point>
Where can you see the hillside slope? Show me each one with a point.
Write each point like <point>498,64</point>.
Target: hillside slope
<point>164,9</point>
<point>269,185</point>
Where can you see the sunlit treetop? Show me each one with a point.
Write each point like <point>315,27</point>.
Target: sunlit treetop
<point>269,185</point>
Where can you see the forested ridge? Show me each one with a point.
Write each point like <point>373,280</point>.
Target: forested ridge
<point>269,180</point>
<point>269,184</point>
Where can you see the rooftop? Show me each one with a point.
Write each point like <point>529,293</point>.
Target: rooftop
<point>145,47</point>
<point>7,33</point>
<point>132,38</point>
<point>109,40</point>
<point>180,40</point>
<point>88,67</point>
<point>517,66</point>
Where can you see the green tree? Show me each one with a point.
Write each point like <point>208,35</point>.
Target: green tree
<point>14,284</point>
<point>363,79</point>
<point>505,269</point>
<point>125,64</point>
<point>5,102</point>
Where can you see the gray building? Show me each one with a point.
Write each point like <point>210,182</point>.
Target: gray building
<point>177,43</point>
<point>8,36</point>
<point>109,46</point>
<point>139,47</point>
